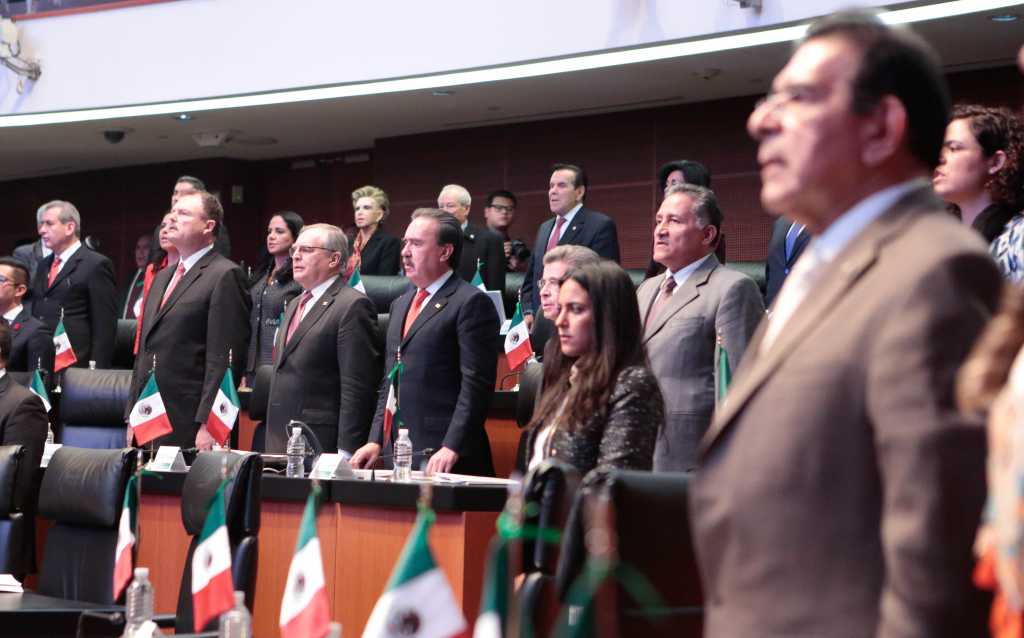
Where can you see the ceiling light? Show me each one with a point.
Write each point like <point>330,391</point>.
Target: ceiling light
<point>584,62</point>
<point>442,93</point>
<point>183,117</point>
<point>1003,17</point>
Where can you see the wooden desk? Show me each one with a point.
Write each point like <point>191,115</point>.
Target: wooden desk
<point>362,527</point>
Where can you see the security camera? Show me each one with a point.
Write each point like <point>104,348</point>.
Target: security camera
<point>114,135</point>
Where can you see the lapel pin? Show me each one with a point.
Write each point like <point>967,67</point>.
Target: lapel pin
<point>573,228</point>
<point>324,303</point>
<point>437,306</point>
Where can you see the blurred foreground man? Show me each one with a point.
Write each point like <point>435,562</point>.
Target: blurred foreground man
<point>839,490</point>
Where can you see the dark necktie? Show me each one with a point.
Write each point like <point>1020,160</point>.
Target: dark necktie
<point>659,304</point>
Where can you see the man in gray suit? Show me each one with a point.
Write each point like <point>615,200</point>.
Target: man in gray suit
<point>686,311</point>
<point>839,489</point>
<point>327,357</point>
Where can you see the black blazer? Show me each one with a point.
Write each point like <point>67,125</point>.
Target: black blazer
<point>206,316</point>
<point>381,255</point>
<point>451,357</point>
<point>326,375</point>
<point>487,246</point>
<point>23,422</point>
<point>588,228</point>
<point>85,289</point>
<point>776,266</point>
<point>31,345</point>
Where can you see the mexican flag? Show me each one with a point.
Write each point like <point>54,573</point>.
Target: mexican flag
<point>39,389</point>
<point>478,281</point>
<point>517,341</point>
<point>494,601</point>
<point>62,345</point>
<point>212,587</point>
<point>225,409</point>
<point>305,610</point>
<point>125,539</point>
<point>356,281</point>
<point>724,377</point>
<point>392,421</point>
<point>418,601</point>
<point>148,418</point>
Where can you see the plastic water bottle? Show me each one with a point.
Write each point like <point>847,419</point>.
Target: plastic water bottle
<point>139,607</point>
<point>296,451</point>
<point>403,457</point>
<point>236,623</point>
<point>334,630</point>
<point>49,434</point>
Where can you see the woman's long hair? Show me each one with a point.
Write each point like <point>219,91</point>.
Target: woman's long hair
<point>294,223</point>
<point>616,345</point>
<point>987,368</point>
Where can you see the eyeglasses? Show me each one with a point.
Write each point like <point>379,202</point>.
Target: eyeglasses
<point>306,251</point>
<point>782,98</point>
<point>541,283</point>
<point>5,280</point>
<point>503,209</point>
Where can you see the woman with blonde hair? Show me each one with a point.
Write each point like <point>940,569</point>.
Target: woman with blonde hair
<point>374,251</point>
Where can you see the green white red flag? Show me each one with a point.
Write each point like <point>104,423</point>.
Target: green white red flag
<point>148,418</point>
<point>62,345</point>
<point>38,388</point>
<point>356,281</point>
<point>305,609</point>
<point>392,420</point>
<point>478,281</point>
<point>517,341</point>
<point>125,538</point>
<point>418,601</point>
<point>490,623</point>
<point>212,586</point>
<point>225,408</point>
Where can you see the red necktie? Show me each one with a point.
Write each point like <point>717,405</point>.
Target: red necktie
<point>54,269</point>
<point>555,234</point>
<point>297,317</point>
<point>179,272</point>
<point>414,311</point>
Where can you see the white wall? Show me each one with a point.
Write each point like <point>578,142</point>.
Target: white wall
<point>203,48</point>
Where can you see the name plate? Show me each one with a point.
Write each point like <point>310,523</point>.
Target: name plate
<point>331,466</point>
<point>168,459</point>
<point>48,451</point>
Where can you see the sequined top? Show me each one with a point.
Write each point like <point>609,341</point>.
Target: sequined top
<point>1008,250</point>
<point>624,439</point>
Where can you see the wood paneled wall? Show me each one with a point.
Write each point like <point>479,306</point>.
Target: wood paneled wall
<point>620,151</point>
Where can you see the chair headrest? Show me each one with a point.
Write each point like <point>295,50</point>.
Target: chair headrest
<point>124,344</point>
<point>94,397</point>
<point>260,396</point>
<point>383,290</point>
<point>21,378</point>
<point>529,387</point>
<point>85,487</point>
<point>241,496</point>
<point>550,490</point>
<point>10,458</point>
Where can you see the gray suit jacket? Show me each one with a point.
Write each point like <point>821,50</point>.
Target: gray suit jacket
<point>680,344</point>
<point>839,489</point>
<point>327,374</point>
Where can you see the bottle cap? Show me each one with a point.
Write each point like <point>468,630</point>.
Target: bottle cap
<point>239,598</point>
<point>142,572</point>
<point>296,431</point>
<point>403,432</point>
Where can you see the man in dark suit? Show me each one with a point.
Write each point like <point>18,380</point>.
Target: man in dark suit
<point>479,244</point>
<point>785,245</point>
<point>196,316</point>
<point>573,223</point>
<point>839,489</point>
<point>31,254</point>
<point>31,340</point>
<point>447,331</point>
<point>78,282</point>
<point>327,360</point>
<point>188,185</point>
<point>23,421</point>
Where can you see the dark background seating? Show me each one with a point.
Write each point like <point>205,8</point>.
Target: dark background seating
<point>14,548</point>
<point>92,407</point>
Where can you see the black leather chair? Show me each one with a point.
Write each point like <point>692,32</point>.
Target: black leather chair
<point>82,492</point>
<point>382,290</point>
<point>15,551</point>
<point>124,345</point>
<point>259,398</point>
<point>549,492</point>
<point>647,514</point>
<point>242,510</point>
<point>752,269</point>
<point>530,380</point>
<point>92,407</point>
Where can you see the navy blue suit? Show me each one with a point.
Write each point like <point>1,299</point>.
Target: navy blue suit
<point>588,228</point>
<point>776,266</point>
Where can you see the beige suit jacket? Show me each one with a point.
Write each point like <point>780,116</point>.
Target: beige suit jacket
<point>839,489</point>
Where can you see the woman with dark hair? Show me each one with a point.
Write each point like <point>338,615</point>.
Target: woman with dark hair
<point>981,173</point>
<point>272,287</point>
<point>161,254</point>
<point>601,406</point>
<point>374,251</point>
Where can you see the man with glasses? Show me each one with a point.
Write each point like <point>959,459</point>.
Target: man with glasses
<point>327,357</point>
<point>195,320</point>
<point>500,214</point>
<point>838,488</point>
<point>31,339</point>
<point>480,247</point>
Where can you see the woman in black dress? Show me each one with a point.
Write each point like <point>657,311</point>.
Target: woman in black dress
<point>374,251</point>
<point>272,287</point>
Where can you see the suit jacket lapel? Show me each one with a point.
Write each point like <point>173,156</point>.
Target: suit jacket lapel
<point>798,246</point>
<point>312,316</point>
<point>68,268</point>
<point>682,297</point>
<point>190,277</point>
<point>840,276</point>
<point>575,228</point>
<point>433,306</point>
